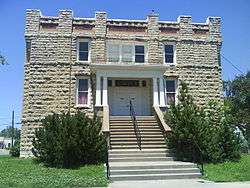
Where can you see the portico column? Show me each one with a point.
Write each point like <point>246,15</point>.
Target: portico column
<point>155,93</point>
<point>98,91</point>
<point>162,93</point>
<point>105,92</point>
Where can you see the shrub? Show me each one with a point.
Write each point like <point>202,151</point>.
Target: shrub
<point>201,132</point>
<point>69,141</point>
<point>15,150</point>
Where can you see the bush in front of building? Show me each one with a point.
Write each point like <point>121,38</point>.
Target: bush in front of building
<point>15,150</point>
<point>69,141</point>
<point>202,134</point>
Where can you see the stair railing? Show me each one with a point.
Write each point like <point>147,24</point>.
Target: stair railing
<point>134,121</point>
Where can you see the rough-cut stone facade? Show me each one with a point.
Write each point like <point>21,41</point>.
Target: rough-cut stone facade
<point>51,65</point>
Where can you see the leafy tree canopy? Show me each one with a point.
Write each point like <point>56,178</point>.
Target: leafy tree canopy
<point>8,133</point>
<point>2,59</point>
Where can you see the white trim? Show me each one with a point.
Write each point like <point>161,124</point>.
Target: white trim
<point>89,92</point>
<point>162,93</point>
<point>89,49</point>
<point>105,92</point>
<point>133,44</point>
<point>155,92</point>
<point>174,53</point>
<point>98,91</point>
<point>176,90</point>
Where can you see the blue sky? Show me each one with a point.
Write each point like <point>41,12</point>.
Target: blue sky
<point>235,30</point>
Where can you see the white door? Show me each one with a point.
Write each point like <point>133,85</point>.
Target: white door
<point>122,97</point>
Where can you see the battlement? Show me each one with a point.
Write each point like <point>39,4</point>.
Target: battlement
<point>65,23</point>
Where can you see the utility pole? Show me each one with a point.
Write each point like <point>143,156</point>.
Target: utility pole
<point>12,130</point>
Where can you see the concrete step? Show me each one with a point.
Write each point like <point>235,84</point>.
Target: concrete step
<point>132,130</point>
<point>154,176</point>
<point>139,159</point>
<point>137,151</point>
<point>150,165</point>
<point>129,118</point>
<point>134,139</point>
<point>137,147</point>
<point>133,136</point>
<point>133,155</point>
<point>143,142</point>
<point>131,123</point>
<point>132,127</point>
<point>155,171</point>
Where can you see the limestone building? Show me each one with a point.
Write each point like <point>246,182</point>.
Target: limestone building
<point>90,63</point>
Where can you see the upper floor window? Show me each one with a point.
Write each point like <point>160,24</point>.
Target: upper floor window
<point>171,91</point>
<point>82,92</point>
<point>83,50</point>
<point>28,50</point>
<point>126,53</point>
<point>169,54</point>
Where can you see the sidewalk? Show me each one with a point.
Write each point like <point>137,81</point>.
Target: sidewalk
<point>181,183</point>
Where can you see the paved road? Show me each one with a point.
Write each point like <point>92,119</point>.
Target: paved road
<point>4,152</point>
<point>192,183</point>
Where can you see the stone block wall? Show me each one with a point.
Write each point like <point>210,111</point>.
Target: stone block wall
<point>52,68</point>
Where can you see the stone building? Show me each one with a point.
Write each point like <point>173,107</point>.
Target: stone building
<point>90,63</point>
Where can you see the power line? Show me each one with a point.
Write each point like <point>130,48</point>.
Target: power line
<point>232,64</point>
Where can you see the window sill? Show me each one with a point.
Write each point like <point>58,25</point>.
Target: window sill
<point>83,62</point>
<point>82,106</point>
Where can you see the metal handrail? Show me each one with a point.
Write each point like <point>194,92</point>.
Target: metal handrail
<point>201,157</point>
<point>136,128</point>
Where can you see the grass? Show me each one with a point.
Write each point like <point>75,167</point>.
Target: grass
<point>229,171</point>
<point>16,172</point>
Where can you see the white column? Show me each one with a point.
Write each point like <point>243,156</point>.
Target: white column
<point>105,92</point>
<point>155,93</point>
<point>98,91</point>
<point>162,92</point>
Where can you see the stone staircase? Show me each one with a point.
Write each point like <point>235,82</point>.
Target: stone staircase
<point>153,162</point>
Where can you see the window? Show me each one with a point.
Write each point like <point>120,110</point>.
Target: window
<point>126,53</point>
<point>83,50</point>
<point>139,54</point>
<point>170,91</point>
<point>169,53</point>
<point>82,92</point>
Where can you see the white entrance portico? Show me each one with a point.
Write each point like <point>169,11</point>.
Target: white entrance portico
<point>117,85</point>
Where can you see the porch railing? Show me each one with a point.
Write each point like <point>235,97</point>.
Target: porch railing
<point>134,121</point>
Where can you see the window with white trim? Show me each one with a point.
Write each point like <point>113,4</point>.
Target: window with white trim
<point>126,53</point>
<point>170,91</point>
<point>169,53</point>
<point>83,49</point>
<point>82,92</point>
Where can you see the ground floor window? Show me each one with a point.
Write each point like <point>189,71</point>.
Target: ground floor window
<point>171,91</point>
<point>82,91</point>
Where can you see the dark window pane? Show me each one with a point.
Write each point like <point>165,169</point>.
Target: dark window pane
<point>83,56</point>
<point>144,83</point>
<point>169,49</point>
<point>83,85</point>
<point>83,46</point>
<point>109,83</point>
<point>169,58</point>
<point>139,58</point>
<point>170,85</point>
<point>170,98</point>
<point>139,49</point>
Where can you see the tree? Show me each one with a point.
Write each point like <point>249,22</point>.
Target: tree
<point>2,59</point>
<point>8,133</point>
<point>237,95</point>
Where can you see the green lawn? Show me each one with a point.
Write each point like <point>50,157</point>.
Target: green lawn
<point>15,172</point>
<point>229,171</point>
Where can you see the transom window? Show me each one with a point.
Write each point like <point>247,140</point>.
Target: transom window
<point>169,54</point>
<point>127,83</point>
<point>170,91</point>
<point>82,92</point>
<point>83,50</point>
<point>126,53</point>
